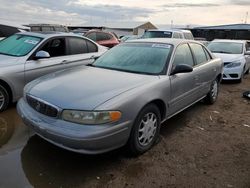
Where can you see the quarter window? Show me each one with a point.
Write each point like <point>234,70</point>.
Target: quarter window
<point>183,55</point>
<point>199,53</point>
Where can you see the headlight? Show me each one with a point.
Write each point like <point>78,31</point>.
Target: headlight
<point>233,64</point>
<point>91,117</point>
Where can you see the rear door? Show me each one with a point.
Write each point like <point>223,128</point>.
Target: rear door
<point>183,85</point>
<point>204,67</point>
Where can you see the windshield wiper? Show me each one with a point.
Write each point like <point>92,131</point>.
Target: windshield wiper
<point>123,70</point>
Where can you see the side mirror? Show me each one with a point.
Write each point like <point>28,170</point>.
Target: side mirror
<point>94,57</point>
<point>182,68</point>
<point>42,54</point>
<point>247,53</point>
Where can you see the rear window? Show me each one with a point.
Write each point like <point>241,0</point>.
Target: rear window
<point>157,34</point>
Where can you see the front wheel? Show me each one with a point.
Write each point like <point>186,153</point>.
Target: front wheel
<point>213,93</point>
<point>4,98</point>
<point>145,130</point>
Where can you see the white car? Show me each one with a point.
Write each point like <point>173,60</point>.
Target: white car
<point>236,57</point>
<point>27,56</point>
<point>169,33</point>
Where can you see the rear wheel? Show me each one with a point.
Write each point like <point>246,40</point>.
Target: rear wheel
<point>4,98</point>
<point>145,130</point>
<point>213,93</point>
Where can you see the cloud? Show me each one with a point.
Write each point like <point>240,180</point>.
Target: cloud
<point>185,5</point>
<point>61,8</point>
<point>239,2</point>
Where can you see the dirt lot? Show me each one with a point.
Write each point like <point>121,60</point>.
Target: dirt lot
<point>204,146</point>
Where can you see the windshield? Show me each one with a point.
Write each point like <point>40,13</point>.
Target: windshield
<point>18,45</point>
<point>226,47</point>
<point>142,58</point>
<point>157,34</point>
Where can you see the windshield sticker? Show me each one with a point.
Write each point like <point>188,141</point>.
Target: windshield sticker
<point>31,41</point>
<point>167,33</point>
<point>161,46</point>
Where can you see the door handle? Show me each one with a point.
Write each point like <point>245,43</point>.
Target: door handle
<point>64,62</point>
<point>196,78</point>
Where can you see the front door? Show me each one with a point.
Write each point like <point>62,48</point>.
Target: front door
<point>183,85</point>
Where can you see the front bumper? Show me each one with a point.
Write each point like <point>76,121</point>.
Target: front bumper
<point>78,138</point>
<point>232,73</point>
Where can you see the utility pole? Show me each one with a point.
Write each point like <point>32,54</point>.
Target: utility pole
<point>246,17</point>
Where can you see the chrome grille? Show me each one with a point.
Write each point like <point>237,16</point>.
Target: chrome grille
<point>42,107</point>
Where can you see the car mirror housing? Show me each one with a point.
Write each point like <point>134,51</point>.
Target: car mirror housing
<point>42,54</point>
<point>181,68</point>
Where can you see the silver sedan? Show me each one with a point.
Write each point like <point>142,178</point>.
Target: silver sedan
<point>27,56</point>
<point>123,97</point>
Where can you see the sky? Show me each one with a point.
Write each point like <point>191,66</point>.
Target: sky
<point>101,12</point>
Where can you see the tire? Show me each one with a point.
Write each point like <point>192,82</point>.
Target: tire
<point>145,131</point>
<point>4,98</point>
<point>247,71</point>
<point>213,93</point>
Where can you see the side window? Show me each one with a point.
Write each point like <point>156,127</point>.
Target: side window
<point>92,36</point>
<point>183,55</point>
<point>91,47</point>
<point>199,53</point>
<point>55,47</point>
<point>77,46</point>
<point>176,35</point>
<point>100,37</point>
<point>247,46</point>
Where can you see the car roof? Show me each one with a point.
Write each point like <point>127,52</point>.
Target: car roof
<point>228,40</point>
<point>163,30</point>
<point>172,41</point>
<point>46,35</point>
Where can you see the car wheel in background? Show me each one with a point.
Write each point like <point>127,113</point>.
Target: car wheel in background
<point>145,130</point>
<point>4,98</point>
<point>213,93</point>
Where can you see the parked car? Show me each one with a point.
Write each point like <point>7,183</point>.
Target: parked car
<point>26,56</point>
<point>171,33</point>
<point>236,57</point>
<point>107,39</point>
<point>123,97</point>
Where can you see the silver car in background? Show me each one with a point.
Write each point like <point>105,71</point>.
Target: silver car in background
<point>123,97</point>
<point>235,55</point>
<point>27,56</point>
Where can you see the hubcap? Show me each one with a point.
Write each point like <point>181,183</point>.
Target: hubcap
<point>214,91</point>
<point>147,129</point>
<point>2,100</point>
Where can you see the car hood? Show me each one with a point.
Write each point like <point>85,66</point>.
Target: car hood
<point>228,57</point>
<point>85,88</point>
<point>6,60</point>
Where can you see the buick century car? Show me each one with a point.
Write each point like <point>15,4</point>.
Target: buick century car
<point>27,56</point>
<point>123,97</point>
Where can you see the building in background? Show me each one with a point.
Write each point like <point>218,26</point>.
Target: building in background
<point>234,31</point>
